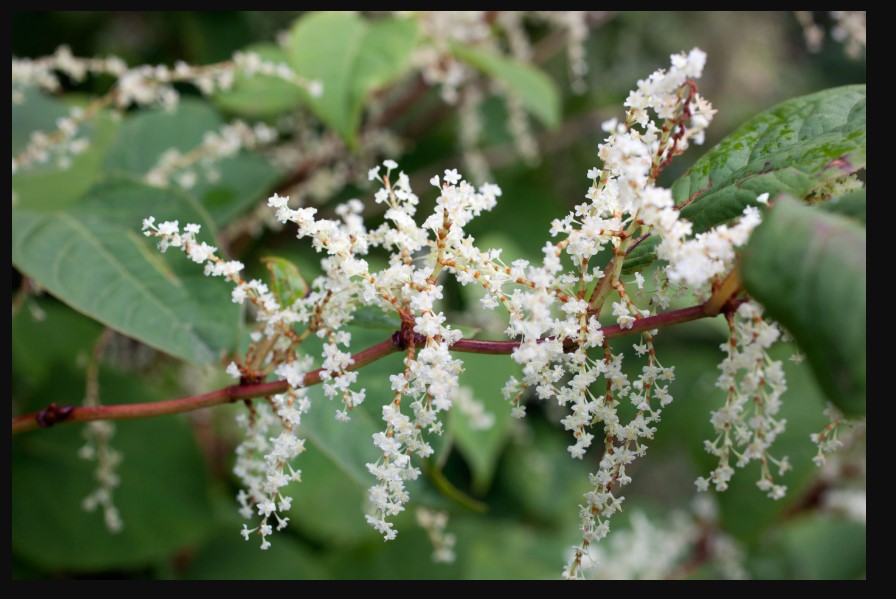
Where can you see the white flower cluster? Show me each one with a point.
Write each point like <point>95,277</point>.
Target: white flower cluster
<point>41,72</point>
<point>473,409</point>
<point>97,447</point>
<point>434,524</point>
<point>748,423</point>
<point>407,286</point>
<point>59,147</point>
<point>144,85</point>
<point>575,24</point>
<point>436,61</point>
<point>829,441</point>
<point>850,28</point>
<point>215,146</point>
<point>553,312</point>
<point>263,461</point>
<point>653,549</point>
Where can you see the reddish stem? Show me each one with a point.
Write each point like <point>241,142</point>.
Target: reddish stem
<point>53,414</point>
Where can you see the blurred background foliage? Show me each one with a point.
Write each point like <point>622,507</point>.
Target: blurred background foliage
<point>519,516</point>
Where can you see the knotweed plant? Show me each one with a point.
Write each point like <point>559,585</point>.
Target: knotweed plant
<point>581,323</point>
<point>553,310</point>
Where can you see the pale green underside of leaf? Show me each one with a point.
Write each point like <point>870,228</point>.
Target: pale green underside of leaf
<point>95,259</point>
<point>808,268</point>
<point>261,96</point>
<point>351,57</point>
<point>536,90</point>
<point>244,179</point>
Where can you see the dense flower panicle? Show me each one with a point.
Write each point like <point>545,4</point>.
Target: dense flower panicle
<point>434,524</point>
<point>143,86</point>
<point>407,285</point>
<point>264,461</point>
<point>186,168</point>
<point>748,423</point>
<point>653,549</point>
<point>97,448</point>
<point>553,310</point>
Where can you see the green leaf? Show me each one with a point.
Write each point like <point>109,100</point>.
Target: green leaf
<point>794,147</point>
<point>287,282</point>
<point>95,259</point>
<point>36,112</point>
<point>851,205</point>
<point>260,96</point>
<point>372,317</point>
<point>484,376</point>
<point>227,556</point>
<point>163,496</point>
<point>539,478</point>
<point>807,267</point>
<point>641,256</point>
<point>242,179</point>
<point>536,90</point>
<point>329,503</point>
<point>509,550</point>
<point>816,546</point>
<point>58,337</point>
<point>351,57</point>
<point>47,187</point>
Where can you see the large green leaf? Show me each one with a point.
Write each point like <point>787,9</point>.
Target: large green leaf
<point>242,180</point>
<point>814,546</point>
<point>260,96</point>
<point>807,267</point>
<point>484,375</point>
<point>227,556</point>
<point>57,337</point>
<point>536,90</point>
<point>351,57</point>
<point>163,496</point>
<point>95,259</point>
<point>851,205</point>
<point>794,147</point>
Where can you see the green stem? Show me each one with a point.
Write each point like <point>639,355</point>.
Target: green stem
<point>614,269</point>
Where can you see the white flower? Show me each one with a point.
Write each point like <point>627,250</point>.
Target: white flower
<point>233,370</point>
<point>451,176</point>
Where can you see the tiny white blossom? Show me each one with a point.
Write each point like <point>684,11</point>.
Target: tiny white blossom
<point>233,370</point>
<point>451,176</point>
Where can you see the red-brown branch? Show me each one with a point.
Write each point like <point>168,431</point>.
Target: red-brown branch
<point>54,414</point>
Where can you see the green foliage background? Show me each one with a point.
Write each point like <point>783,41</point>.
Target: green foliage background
<point>177,495</point>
